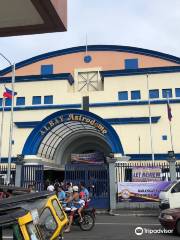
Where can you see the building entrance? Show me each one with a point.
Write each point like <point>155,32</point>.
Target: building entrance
<point>69,132</point>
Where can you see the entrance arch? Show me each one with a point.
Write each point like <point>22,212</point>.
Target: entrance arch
<point>71,131</point>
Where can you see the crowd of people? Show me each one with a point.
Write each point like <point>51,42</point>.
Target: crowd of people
<point>72,197</point>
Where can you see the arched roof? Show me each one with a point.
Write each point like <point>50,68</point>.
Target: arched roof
<point>111,48</point>
<point>64,127</point>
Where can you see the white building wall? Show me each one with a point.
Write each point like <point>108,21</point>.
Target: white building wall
<point>64,94</point>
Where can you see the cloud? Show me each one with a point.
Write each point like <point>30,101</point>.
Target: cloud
<point>148,24</point>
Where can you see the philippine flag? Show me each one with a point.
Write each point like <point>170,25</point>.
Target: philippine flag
<point>8,93</point>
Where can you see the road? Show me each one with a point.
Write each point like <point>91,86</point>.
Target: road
<point>118,228</point>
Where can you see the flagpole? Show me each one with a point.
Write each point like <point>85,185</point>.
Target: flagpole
<point>150,120</point>
<point>170,127</point>
<point>86,45</point>
<point>11,127</point>
<point>2,125</point>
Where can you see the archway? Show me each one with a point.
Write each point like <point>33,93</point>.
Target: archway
<point>71,131</point>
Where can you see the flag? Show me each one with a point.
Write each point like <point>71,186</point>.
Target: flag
<point>169,112</point>
<point>8,93</point>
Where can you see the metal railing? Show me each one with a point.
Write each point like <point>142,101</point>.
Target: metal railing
<point>124,170</point>
<point>3,174</point>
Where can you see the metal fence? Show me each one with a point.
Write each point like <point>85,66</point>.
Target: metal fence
<point>33,175</point>
<point>3,174</point>
<point>124,170</point>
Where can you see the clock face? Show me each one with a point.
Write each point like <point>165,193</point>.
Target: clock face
<point>87,59</point>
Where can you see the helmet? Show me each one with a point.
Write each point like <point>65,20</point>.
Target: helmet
<point>75,188</point>
<point>82,195</point>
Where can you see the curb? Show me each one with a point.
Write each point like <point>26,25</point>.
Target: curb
<point>110,213</point>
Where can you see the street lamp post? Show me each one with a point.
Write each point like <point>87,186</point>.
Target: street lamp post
<point>11,120</point>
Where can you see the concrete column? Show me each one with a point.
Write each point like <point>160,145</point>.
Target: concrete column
<point>172,169</point>
<point>18,174</point>
<point>112,185</point>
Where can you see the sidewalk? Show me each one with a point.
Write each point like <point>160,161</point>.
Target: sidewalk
<point>130,212</point>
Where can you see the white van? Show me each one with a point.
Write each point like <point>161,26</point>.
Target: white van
<point>170,197</point>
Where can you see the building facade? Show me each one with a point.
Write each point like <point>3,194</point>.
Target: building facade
<point>49,123</point>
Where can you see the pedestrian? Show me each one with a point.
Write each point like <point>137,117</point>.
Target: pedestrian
<point>61,194</point>
<point>50,188</point>
<point>69,187</point>
<point>84,189</point>
<point>31,188</point>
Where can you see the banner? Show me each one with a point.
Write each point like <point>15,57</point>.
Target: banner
<point>140,191</point>
<point>146,174</point>
<point>88,158</point>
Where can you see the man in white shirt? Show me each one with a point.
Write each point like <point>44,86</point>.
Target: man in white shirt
<point>50,188</point>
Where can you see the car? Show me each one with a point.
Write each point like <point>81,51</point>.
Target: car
<point>169,197</point>
<point>170,219</point>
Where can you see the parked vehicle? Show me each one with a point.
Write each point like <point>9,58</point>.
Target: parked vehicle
<point>170,197</point>
<point>33,216</point>
<point>170,219</point>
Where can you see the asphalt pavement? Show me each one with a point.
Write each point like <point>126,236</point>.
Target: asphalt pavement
<point>119,227</point>
<point>122,228</point>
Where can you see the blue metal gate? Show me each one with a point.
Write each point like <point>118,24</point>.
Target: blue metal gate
<point>33,175</point>
<point>96,179</point>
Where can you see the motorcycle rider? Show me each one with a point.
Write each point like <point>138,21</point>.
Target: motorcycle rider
<point>76,204</point>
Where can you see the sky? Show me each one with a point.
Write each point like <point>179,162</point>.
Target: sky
<point>150,24</point>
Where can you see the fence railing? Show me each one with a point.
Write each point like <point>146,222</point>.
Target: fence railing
<point>124,170</point>
<point>3,174</point>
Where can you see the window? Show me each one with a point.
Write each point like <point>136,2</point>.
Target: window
<point>46,69</point>
<point>123,95</point>
<point>131,63</point>
<point>177,90</point>
<point>164,137</point>
<point>135,95</point>
<point>36,100</point>
<point>48,99</point>
<point>176,188</point>
<point>89,81</point>
<point>167,93</point>
<point>47,224</point>
<point>154,93</point>
<point>8,101</point>
<point>20,101</point>
<point>1,101</point>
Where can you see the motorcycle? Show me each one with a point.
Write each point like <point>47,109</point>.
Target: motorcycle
<point>88,216</point>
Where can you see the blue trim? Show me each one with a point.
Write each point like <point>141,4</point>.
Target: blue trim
<point>157,156</point>
<point>115,48</point>
<point>105,104</point>
<point>40,78</point>
<point>136,120</point>
<point>30,124</point>
<point>35,138</point>
<point>113,121</point>
<point>5,160</point>
<point>42,107</point>
<point>139,71</point>
<point>133,103</point>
